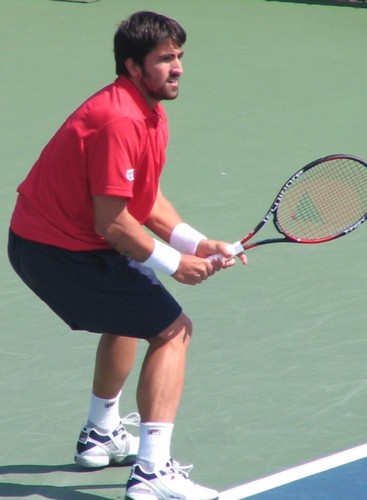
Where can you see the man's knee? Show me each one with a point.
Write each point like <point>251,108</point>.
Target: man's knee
<point>179,331</point>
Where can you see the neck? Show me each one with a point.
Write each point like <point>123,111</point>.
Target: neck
<point>149,99</point>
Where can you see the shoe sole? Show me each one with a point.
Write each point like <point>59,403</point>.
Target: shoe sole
<point>103,461</point>
<point>155,495</point>
<point>142,496</point>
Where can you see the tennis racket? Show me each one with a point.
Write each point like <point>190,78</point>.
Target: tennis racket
<point>323,201</point>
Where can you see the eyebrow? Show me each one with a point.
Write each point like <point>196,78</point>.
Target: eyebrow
<point>170,53</point>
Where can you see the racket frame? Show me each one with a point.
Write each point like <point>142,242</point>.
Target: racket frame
<point>274,207</point>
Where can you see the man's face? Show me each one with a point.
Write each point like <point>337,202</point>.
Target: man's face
<point>160,74</point>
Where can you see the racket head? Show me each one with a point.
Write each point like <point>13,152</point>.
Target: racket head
<point>324,200</point>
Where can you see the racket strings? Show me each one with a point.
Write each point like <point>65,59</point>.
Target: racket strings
<point>324,201</point>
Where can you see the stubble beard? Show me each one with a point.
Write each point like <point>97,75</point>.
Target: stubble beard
<point>163,93</point>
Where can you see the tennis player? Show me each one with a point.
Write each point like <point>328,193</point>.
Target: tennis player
<point>79,239</point>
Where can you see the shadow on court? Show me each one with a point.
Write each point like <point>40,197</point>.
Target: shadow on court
<point>52,492</point>
<point>335,3</point>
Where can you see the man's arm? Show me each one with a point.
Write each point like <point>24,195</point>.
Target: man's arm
<point>114,223</point>
<point>163,217</point>
<point>120,229</point>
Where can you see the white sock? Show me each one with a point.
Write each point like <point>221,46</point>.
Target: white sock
<point>104,414</point>
<point>155,445</point>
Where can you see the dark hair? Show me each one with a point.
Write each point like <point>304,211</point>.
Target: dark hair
<point>140,34</point>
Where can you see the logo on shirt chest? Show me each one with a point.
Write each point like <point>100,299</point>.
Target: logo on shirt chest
<point>130,174</point>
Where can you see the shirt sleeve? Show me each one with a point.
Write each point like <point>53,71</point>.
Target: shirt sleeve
<point>113,157</point>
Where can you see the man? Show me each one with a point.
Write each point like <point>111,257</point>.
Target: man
<point>78,239</point>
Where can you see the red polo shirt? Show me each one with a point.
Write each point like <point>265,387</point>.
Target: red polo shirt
<point>113,144</point>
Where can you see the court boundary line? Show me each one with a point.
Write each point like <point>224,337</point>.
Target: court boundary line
<point>295,474</point>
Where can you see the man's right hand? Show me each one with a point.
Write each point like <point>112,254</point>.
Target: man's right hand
<point>193,270</point>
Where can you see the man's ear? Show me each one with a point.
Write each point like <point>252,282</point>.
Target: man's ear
<point>133,68</point>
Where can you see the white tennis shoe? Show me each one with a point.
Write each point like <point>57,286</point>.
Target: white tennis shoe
<point>170,483</point>
<point>95,449</point>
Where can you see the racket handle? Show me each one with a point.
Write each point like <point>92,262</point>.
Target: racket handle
<point>235,248</point>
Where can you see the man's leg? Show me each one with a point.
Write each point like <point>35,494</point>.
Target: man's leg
<point>163,372</point>
<point>104,439</point>
<point>159,392</point>
<point>114,361</point>
<point>156,475</point>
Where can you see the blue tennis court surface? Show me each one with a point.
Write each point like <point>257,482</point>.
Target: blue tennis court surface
<point>342,476</point>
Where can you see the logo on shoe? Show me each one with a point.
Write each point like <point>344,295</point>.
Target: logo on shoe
<point>83,437</point>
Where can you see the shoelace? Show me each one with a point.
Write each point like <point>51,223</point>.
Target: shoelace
<point>131,419</point>
<point>177,468</point>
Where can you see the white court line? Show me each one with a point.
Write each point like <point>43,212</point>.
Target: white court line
<point>295,474</point>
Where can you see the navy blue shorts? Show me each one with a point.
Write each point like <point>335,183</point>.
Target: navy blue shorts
<point>98,291</point>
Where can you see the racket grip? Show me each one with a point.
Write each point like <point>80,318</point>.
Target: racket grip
<point>235,248</point>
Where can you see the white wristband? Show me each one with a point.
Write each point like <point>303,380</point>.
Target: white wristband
<point>163,258</point>
<point>185,238</point>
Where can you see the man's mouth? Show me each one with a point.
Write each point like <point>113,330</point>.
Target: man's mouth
<point>173,81</point>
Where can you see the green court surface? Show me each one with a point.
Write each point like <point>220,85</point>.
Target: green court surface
<point>277,370</point>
